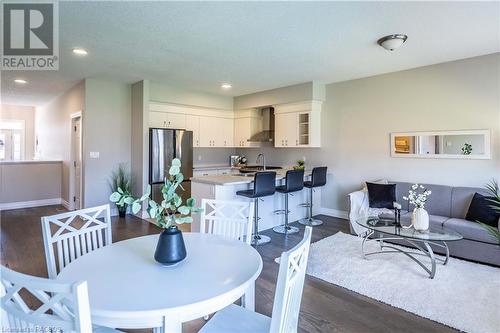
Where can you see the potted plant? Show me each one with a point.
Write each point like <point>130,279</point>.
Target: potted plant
<point>417,196</point>
<point>170,248</point>
<point>300,165</point>
<point>495,204</point>
<point>121,183</point>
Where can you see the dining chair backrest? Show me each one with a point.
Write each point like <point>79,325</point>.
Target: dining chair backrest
<point>289,287</point>
<point>229,219</point>
<point>70,235</point>
<point>264,183</point>
<point>34,304</point>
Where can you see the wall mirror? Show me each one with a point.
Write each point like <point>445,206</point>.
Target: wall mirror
<point>466,144</point>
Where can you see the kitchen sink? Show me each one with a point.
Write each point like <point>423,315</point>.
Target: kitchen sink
<point>257,168</point>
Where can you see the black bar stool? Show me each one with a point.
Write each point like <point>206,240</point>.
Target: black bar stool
<point>294,181</point>
<point>318,178</point>
<point>264,185</point>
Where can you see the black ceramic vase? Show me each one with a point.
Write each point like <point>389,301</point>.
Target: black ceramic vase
<point>122,211</point>
<point>170,248</point>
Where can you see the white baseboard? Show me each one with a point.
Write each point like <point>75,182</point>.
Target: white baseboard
<point>29,204</point>
<point>334,213</point>
<point>65,204</point>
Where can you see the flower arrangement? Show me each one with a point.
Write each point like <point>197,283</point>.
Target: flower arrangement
<point>418,195</point>
<point>171,210</point>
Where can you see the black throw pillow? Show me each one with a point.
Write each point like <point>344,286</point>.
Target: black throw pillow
<point>480,210</point>
<point>381,195</point>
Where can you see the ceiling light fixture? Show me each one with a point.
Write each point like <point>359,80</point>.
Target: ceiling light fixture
<point>20,81</point>
<point>79,51</point>
<point>226,86</point>
<point>392,42</point>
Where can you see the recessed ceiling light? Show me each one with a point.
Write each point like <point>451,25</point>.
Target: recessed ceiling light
<point>392,42</point>
<point>20,81</point>
<point>226,86</point>
<point>79,51</point>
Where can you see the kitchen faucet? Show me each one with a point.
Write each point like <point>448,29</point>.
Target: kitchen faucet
<point>263,161</point>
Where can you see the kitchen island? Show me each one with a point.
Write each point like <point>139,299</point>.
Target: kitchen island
<point>224,187</point>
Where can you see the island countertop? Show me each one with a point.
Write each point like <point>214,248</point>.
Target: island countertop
<point>236,179</point>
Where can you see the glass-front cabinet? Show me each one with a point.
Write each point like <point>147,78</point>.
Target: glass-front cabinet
<point>298,125</point>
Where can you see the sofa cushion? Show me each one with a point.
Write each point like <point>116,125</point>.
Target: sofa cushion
<point>438,203</point>
<point>381,195</point>
<point>461,198</point>
<point>480,210</point>
<point>470,230</point>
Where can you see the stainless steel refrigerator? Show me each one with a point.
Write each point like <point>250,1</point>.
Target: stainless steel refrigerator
<point>164,146</point>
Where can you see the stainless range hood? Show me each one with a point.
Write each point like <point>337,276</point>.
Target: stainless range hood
<point>267,133</point>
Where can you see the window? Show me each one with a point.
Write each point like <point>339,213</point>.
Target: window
<point>11,140</point>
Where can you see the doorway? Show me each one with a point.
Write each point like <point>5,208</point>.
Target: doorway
<point>12,140</point>
<point>75,197</point>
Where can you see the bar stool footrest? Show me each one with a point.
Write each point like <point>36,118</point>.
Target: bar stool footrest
<point>282,229</point>
<point>310,222</point>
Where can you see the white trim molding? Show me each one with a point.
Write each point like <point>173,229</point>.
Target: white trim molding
<point>30,204</point>
<point>334,213</point>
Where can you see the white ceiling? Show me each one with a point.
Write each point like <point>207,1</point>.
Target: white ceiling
<point>254,45</point>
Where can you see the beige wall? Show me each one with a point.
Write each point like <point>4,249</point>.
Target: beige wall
<point>27,114</point>
<point>359,115</point>
<point>107,130</point>
<point>167,93</point>
<point>53,129</point>
<point>295,93</point>
<point>30,181</point>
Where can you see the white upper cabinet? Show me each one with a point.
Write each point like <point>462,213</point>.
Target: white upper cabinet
<point>167,120</point>
<point>210,127</point>
<point>298,124</point>
<point>193,124</point>
<point>286,130</point>
<point>216,132</point>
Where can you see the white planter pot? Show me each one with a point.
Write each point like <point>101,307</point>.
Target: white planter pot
<point>420,219</point>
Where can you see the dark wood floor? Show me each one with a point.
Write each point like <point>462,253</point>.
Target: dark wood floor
<point>325,307</point>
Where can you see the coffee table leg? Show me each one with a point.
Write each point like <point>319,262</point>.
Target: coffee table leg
<point>447,253</point>
<point>430,253</point>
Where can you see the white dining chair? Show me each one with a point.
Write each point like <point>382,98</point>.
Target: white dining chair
<point>48,310</point>
<point>70,235</point>
<point>229,219</point>
<point>286,308</point>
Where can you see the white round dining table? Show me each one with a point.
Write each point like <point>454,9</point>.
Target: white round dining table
<point>129,289</point>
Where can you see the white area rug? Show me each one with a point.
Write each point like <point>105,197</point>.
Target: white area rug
<point>462,295</point>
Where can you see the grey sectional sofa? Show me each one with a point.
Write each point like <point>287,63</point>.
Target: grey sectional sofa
<point>447,207</point>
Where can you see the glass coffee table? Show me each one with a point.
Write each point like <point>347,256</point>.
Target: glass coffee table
<point>421,240</point>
